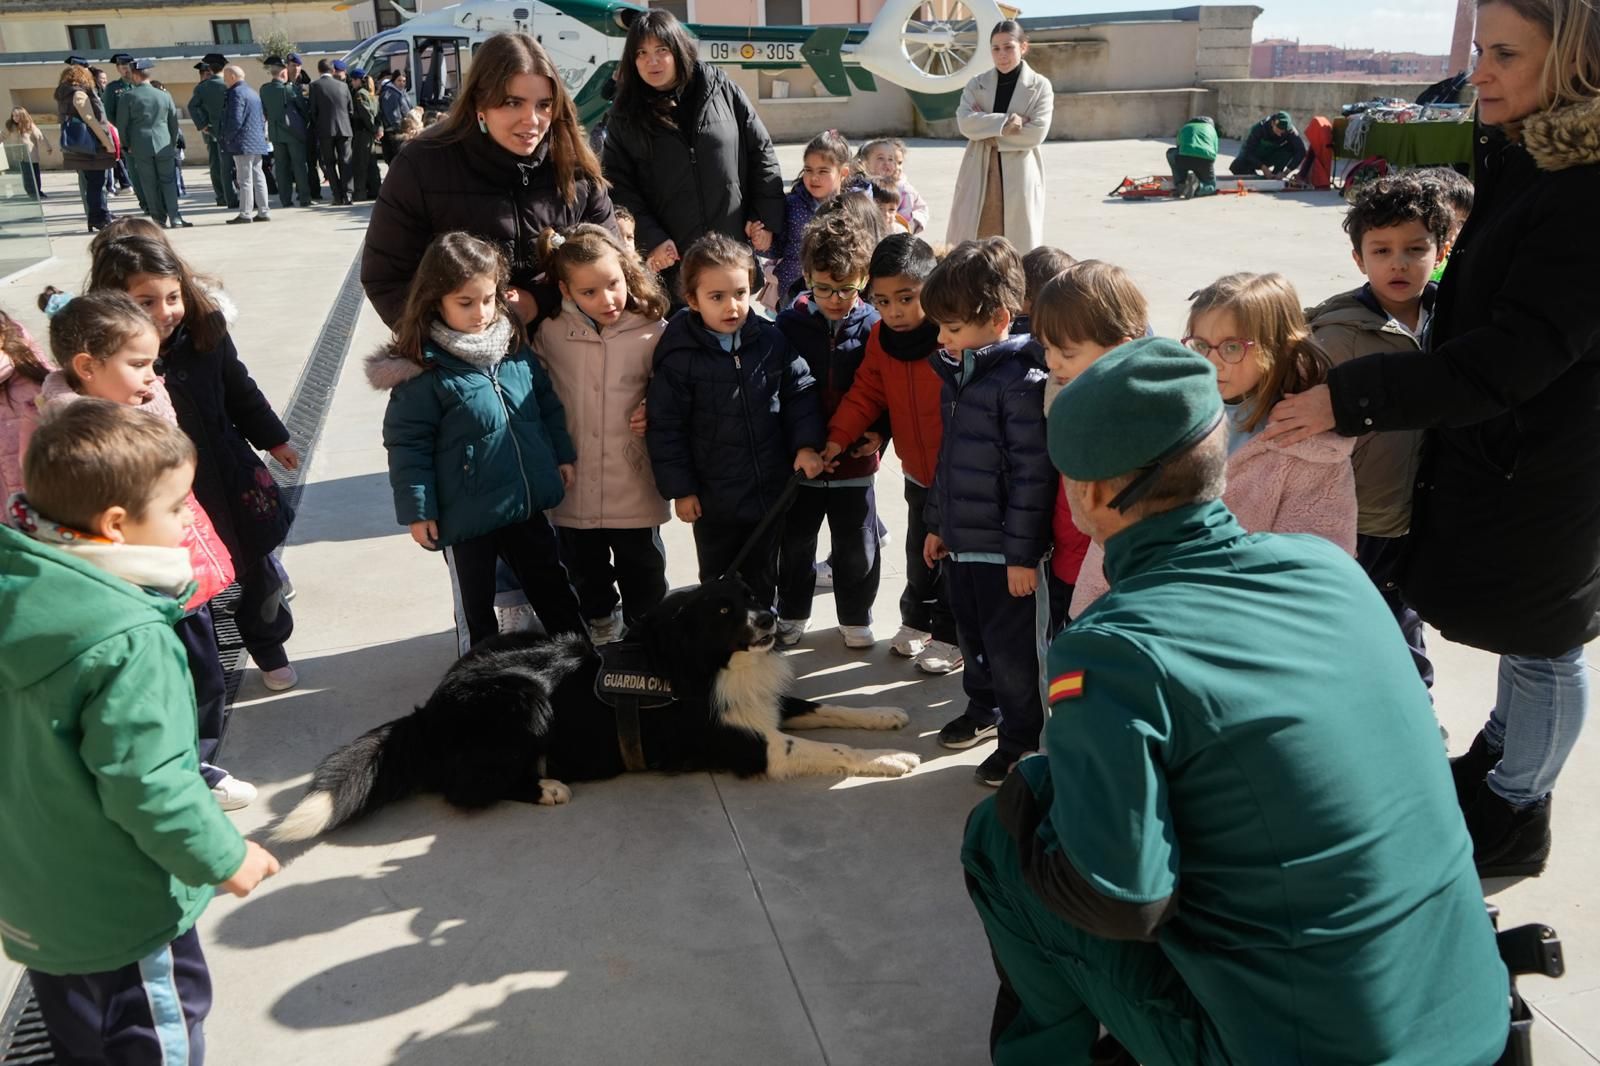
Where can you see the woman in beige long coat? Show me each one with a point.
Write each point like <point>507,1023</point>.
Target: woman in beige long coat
<point>1005,115</point>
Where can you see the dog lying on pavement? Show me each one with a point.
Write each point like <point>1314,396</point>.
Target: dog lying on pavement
<point>696,687</point>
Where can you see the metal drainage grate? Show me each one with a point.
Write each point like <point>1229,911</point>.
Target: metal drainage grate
<point>23,1041</point>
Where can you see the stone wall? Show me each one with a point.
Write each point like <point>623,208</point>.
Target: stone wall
<point>1237,103</point>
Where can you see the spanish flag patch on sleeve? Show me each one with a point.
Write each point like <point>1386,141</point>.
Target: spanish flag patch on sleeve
<point>1066,686</point>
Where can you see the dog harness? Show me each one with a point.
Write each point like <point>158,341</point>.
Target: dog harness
<point>628,683</point>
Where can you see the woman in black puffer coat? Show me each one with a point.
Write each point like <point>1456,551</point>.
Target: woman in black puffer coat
<point>509,160</point>
<point>1504,548</point>
<point>685,151</point>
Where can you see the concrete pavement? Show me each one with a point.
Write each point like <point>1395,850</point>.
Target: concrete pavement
<point>695,918</point>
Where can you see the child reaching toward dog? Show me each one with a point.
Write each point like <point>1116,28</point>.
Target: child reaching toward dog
<point>476,435</point>
<point>598,350</point>
<point>828,326</point>
<point>732,410</point>
<point>121,845</point>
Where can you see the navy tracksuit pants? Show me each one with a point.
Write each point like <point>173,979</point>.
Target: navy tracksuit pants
<point>147,1013</point>
<point>1000,638</point>
<point>851,512</point>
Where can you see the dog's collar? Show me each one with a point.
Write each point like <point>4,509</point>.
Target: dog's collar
<point>628,682</point>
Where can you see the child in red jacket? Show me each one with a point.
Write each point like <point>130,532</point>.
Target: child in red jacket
<point>895,378</point>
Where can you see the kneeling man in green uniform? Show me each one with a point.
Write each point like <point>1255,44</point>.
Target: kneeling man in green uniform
<point>1241,843</point>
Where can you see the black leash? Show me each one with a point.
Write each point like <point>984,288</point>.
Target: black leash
<point>785,498</point>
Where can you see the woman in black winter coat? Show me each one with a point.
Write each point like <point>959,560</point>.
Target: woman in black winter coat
<point>685,151</point>
<point>508,160</point>
<point>1504,548</point>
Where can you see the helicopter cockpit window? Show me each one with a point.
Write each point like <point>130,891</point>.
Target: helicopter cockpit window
<point>438,74</point>
<point>392,55</point>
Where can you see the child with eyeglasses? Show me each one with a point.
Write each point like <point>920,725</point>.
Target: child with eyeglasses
<point>1252,328</point>
<point>829,325</point>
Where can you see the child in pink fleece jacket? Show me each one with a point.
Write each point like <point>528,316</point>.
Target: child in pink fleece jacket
<point>1253,330</point>
<point>22,372</point>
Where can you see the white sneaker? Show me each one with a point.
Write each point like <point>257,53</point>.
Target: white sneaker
<point>858,636</point>
<point>790,630</point>
<point>824,575</point>
<point>233,794</point>
<point>515,619</point>
<point>940,658</point>
<point>606,630</point>
<point>281,679</point>
<point>908,642</point>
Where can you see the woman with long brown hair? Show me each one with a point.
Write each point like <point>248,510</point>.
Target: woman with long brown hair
<point>1504,548</point>
<point>22,130</point>
<point>685,151</point>
<point>87,146</point>
<point>508,160</point>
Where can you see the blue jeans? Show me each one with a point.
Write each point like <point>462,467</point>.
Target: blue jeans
<point>1538,713</point>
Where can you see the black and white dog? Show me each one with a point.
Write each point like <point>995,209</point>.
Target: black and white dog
<point>520,715</point>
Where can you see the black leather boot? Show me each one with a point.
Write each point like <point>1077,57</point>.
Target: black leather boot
<point>1508,841</point>
<point>1470,769</point>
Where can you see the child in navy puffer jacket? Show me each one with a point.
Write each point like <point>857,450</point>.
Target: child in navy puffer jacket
<point>829,326</point>
<point>732,410</point>
<point>993,495</point>
<point>825,173</point>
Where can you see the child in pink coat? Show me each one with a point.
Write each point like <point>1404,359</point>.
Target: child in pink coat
<point>1252,328</point>
<point>598,351</point>
<point>22,372</point>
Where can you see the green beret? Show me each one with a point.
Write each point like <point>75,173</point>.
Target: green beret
<point>1140,403</point>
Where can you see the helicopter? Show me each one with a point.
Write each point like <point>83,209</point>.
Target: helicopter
<point>932,48</point>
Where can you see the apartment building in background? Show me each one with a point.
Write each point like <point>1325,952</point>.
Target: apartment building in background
<point>1280,58</point>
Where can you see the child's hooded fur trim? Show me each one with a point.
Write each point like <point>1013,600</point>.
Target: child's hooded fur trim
<point>388,369</point>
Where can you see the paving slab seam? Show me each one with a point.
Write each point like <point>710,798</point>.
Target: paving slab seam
<point>755,883</point>
<point>1558,1027</point>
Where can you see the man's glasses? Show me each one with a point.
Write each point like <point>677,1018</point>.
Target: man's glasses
<point>1229,349</point>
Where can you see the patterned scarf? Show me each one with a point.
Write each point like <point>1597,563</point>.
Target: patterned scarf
<point>483,350</point>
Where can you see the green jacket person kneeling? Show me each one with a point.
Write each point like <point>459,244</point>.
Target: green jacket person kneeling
<point>1241,844</point>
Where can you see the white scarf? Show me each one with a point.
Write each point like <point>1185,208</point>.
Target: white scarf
<point>483,350</point>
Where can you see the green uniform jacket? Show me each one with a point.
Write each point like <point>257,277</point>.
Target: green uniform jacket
<point>1238,724</point>
<point>364,116</point>
<point>277,97</point>
<point>111,841</point>
<point>147,119</point>
<point>1198,140</point>
<point>114,89</point>
<point>470,449</point>
<point>206,105</point>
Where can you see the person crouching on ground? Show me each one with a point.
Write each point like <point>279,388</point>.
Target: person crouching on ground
<point>1274,870</point>
<point>112,842</point>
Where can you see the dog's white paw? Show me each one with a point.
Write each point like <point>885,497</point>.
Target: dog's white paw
<point>883,718</point>
<point>890,763</point>
<point>553,793</point>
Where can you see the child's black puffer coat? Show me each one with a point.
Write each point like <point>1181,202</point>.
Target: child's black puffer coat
<point>223,411</point>
<point>724,426</point>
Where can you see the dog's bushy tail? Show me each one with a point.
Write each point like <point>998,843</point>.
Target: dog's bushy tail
<point>372,770</point>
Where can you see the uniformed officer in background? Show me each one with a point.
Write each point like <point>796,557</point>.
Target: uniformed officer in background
<point>126,171</point>
<point>286,129</point>
<point>205,109</point>
<point>1241,842</point>
<point>148,120</point>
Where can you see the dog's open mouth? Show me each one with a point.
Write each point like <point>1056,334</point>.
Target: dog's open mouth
<point>763,641</point>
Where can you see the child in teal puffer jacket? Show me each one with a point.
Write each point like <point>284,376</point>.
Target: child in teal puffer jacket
<point>477,438</point>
